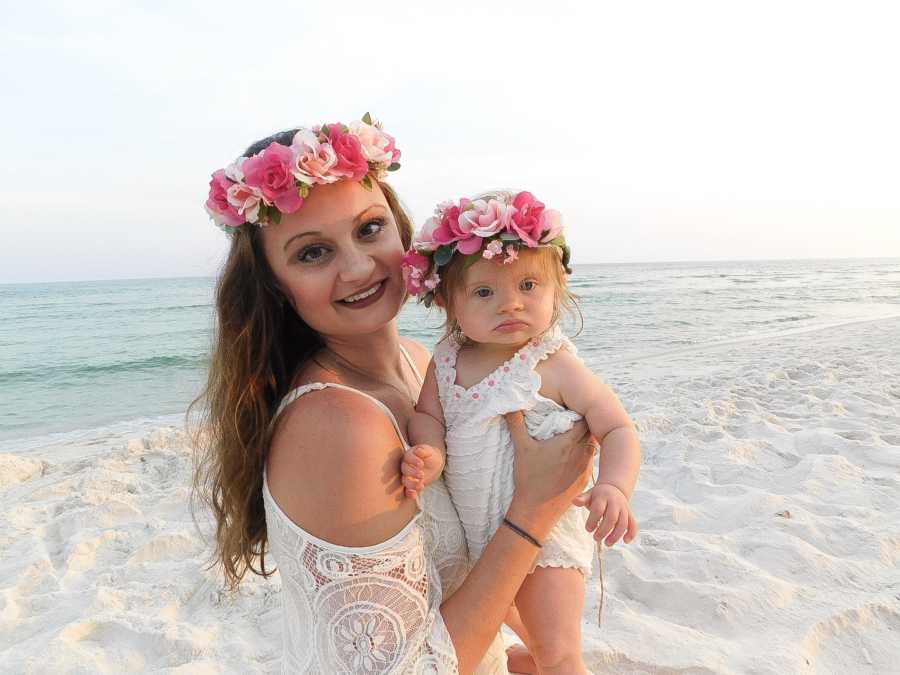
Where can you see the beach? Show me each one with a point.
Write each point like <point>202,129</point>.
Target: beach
<point>769,503</point>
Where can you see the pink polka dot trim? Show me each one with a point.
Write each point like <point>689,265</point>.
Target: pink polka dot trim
<point>505,369</point>
<point>491,383</point>
<point>475,395</point>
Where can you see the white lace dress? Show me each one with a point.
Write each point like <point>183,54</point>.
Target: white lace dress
<point>373,609</point>
<point>480,455</point>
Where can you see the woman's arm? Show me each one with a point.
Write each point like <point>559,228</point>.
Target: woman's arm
<point>334,469</point>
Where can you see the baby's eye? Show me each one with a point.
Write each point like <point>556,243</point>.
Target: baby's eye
<point>371,228</point>
<point>528,285</point>
<point>312,254</point>
<point>483,292</point>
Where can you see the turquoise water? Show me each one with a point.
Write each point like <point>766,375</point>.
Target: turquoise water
<point>76,357</point>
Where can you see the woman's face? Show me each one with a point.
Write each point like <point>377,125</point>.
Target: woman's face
<point>337,259</point>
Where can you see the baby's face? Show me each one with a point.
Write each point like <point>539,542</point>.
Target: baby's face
<point>506,304</point>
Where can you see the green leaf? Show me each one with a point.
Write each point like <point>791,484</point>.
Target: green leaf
<point>304,190</point>
<point>509,236</point>
<point>565,259</point>
<point>394,166</point>
<point>442,255</point>
<point>559,241</point>
<point>367,182</point>
<point>428,298</point>
<point>367,118</point>
<point>275,216</point>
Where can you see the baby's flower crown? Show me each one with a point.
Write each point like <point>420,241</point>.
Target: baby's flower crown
<point>260,188</point>
<point>481,228</point>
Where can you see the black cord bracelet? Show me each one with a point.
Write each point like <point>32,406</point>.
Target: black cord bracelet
<point>522,533</point>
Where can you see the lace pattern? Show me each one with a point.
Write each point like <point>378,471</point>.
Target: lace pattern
<point>372,609</point>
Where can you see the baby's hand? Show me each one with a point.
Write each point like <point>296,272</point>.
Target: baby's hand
<point>610,516</point>
<point>421,466</point>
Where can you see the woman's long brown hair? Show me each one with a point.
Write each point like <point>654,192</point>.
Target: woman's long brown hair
<point>258,345</point>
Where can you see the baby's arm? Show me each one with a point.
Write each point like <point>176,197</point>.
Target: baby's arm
<point>620,457</point>
<point>424,461</point>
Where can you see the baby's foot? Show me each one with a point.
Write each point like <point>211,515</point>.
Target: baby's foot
<point>518,660</point>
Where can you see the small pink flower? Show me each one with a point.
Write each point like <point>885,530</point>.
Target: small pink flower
<point>526,222</point>
<point>351,162</point>
<point>376,145</point>
<point>271,171</point>
<point>551,225</point>
<point>313,160</point>
<point>493,249</point>
<point>432,281</point>
<point>246,200</point>
<point>217,205</point>
<point>416,260</point>
<point>511,255</point>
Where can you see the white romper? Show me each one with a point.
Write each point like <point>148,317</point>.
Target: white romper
<point>373,609</point>
<point>480,454</point>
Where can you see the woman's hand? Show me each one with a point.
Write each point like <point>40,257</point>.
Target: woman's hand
<point>548,474</point>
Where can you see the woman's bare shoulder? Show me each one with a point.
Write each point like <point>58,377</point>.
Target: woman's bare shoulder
<point>333,468</point>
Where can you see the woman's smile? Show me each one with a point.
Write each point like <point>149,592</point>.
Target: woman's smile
<point>369,296</point>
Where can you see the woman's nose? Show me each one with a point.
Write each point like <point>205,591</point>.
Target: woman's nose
<point>356,266</point>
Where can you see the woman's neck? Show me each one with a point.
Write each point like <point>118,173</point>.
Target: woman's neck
<point>376,354</point>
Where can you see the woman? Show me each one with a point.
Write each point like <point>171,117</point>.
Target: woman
<point>310,388</point>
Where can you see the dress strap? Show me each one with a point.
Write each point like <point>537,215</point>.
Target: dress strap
<point>412,365</point>
<point>297,392</point>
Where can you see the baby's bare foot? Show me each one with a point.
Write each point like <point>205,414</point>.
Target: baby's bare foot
<point>518,660</point>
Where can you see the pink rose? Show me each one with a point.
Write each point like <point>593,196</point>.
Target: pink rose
<point>376,145</point>
<point>486,219</point>
<point>526,222</point>
<point>271,172</point>
<point>246,200</point>
<point>351,162</point>
<point>551,225</point>
<point>217,205</point>
<point>453,228</point>
<point>425,238</point>
<point>313,160</point>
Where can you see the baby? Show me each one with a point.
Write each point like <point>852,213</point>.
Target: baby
<point>497,266</point>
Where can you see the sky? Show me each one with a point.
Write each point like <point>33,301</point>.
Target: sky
<point>663,131</point>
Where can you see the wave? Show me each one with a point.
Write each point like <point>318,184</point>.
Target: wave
<point>136,365</point>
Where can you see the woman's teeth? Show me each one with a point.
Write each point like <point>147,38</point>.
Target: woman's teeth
<point>363,295</point>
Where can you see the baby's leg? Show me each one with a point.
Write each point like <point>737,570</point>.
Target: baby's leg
<point>550,603</point>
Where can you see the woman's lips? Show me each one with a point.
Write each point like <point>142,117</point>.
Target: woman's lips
<point>369,299</point>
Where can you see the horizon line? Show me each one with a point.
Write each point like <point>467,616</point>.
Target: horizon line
<point>574,265</point>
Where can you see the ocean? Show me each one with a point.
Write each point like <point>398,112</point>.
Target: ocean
<point>84,360</point>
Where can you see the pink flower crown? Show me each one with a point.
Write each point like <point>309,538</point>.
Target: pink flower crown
<point>260,188</point>
<point>481,228</point>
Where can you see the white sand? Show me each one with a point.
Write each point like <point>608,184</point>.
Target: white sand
<point>769,505</point>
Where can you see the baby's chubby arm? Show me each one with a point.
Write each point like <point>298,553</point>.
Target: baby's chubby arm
<point>424,461</point>
<point>620,457</point>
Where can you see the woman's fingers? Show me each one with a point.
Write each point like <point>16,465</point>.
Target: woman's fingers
<point>515,421</point>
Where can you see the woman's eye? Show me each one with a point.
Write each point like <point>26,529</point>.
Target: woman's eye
<point>371,228</point>
<point>483,292</point>
<point>528,285</point>
<point>312,254</point>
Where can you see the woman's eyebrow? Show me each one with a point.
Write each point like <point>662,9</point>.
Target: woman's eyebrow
<point>361,216</point>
